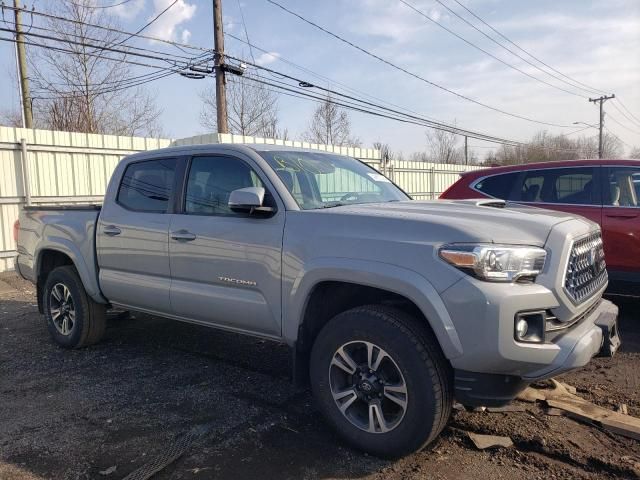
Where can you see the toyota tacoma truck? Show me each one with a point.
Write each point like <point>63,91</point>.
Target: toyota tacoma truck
<point>392,307</point>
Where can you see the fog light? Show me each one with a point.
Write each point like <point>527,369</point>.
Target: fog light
<point>530,326</point>
<point>521,328</point>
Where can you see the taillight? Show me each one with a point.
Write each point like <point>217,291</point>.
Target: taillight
<point>16,228</point>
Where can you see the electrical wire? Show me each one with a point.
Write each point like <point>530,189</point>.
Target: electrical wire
<point>615,120</point>
<point>471,44</point>
<point>96,7</point>
<point>633,122</point>
<point>592,89</point>
<point>414,75</point>
<point>626,109</point>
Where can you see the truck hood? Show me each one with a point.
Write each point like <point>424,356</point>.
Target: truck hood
<point>469,220</point>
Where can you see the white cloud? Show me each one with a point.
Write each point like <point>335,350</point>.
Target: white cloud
<point>128,10</point>
<point>185,36</point>
<point>166,26</point>
<point>267,58</point>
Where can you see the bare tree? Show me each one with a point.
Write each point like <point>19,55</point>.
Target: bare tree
<point>386,155</point>
<point>443,147</point>
<point>635,152</point>
<point>546,147</point>
<point>251,109</point>
<point>10,117</point>
<point>611,146</point>
<point>330,125</point>
<point>84,88</point>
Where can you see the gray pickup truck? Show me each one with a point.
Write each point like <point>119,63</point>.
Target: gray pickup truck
<point>392,307</point>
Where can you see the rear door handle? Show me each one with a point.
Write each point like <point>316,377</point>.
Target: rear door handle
<point>183,235</point>
<point>111,230</point>
<point>622,215</point>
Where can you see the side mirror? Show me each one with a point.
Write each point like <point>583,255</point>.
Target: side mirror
<point>248,200</point>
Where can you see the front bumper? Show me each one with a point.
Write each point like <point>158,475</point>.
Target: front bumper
<point>495,367</point>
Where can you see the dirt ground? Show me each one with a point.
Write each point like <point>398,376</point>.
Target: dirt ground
<point>222,406</point>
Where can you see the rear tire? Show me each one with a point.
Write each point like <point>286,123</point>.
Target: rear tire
<point>397,407</point>
<point>74,320</point>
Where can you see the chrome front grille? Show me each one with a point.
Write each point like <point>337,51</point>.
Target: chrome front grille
<point>586,269</point>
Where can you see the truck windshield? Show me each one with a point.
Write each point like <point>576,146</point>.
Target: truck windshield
<point>320,180</point>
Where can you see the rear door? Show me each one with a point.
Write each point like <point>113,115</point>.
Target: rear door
<point>567,189</point>
<point>132,237</point>
<point>621,221</point>
<point>226,266</point>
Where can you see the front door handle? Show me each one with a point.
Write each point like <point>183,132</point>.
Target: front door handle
<point>183,235</point>
<point>111,230</point>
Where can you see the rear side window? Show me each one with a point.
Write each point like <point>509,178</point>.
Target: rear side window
<point>146,186</point>
<point>498,186</point>
<point>572,186</point>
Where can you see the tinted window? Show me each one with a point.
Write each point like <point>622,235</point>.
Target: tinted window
<point>575,186</point>
<point>499,186</point>
<point>146,186</point>
<point>623,186</point>
<point>211,181</point>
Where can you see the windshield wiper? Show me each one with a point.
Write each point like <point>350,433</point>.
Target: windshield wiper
<point>334,204</point>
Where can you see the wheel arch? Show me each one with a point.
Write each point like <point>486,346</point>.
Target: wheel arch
<point>326,290</point>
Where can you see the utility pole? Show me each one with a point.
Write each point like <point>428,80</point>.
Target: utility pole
<point>466,150</point>
<point>601,100</point>
<point>218,62</point>
<point>22,68</point>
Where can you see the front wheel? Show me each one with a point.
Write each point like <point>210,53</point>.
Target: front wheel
<point>73,319</point>
<point>381,380</point>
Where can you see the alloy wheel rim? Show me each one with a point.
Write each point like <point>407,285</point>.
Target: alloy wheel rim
<point>62,309</point>
<point>368,387</point>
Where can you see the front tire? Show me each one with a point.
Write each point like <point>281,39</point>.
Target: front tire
<point>381,380</point>
<point>73,319</point>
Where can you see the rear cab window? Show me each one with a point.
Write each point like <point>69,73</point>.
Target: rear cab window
<point>147,186</point>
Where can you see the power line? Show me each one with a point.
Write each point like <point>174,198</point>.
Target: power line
<point>95,7</point>
<point>351,102</point>
<point>592,89</point>
<point>611,117</point>
<point>627,110</point>
<point>150,22</point>
<point>617,137</point>
<point>414,75</point>
<point>470,43</point>
<point>246,34</point>
<point>633,122</point>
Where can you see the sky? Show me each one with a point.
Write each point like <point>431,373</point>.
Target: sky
<point>596,42</point>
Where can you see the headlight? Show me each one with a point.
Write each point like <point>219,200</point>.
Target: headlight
<point>496,263</point>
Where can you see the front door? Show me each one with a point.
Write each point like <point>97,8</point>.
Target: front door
<point>621,223</point>
<point>226,266</point>
<point>132,237</point>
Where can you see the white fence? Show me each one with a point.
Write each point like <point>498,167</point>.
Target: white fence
<point>67,168</point>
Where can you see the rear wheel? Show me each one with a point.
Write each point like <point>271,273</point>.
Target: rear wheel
<point>381,380</point>
<point>73,319</point>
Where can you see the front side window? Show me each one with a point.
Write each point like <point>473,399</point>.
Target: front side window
<point>623,187</point>
<point>320,180</point>
<point>211,181</point>
<point>573,186</point>
<point>146,186</point>
<point>498,186</point>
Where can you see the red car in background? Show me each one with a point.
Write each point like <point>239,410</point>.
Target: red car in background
<point>605,191</point>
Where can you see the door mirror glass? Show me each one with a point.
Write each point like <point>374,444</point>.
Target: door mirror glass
<point>249,199</point>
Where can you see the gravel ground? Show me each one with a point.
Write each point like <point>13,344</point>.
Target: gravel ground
<point>223,404</point>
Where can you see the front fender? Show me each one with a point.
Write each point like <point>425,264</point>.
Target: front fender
<point>401,281</point>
